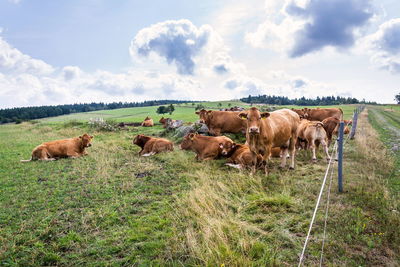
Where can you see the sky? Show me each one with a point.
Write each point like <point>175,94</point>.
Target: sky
<point>60,52</point>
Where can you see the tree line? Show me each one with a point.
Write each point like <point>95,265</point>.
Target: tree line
<point>318,101</point>
<point>32,113</point>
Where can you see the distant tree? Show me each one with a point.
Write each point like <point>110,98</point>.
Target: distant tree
<point>199,106</point>
<point>219,105</point>
<point>171,109</point>
<point>397,98</point>
<point>162,110</point>
<point>229,104</point>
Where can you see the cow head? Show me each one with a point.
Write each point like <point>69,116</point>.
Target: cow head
<point>253,117</point>
<point>162,120</point>
<point>187,141</point>
<point>86,140</point>
<point>205,115</point>
<point>140,140</point>
<point>226,147</point>
<point>147,118</point>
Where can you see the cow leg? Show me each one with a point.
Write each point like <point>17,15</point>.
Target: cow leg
<point>284,151</point>
<point>325,146</point>
<point>292,150</point>
<point>312,146</point>
<point>217,132</point>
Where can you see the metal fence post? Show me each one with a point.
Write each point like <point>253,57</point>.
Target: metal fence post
<point>340,157</point>
<point>354,127</point>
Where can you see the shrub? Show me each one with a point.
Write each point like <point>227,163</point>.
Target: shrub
<point>100,124</point>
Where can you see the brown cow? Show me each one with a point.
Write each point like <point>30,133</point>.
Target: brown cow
<point>222,121</point>
<point>331,126</point>
<point>66,148</point>
<point>148,122</point>
<point>319,114</point>
<point>267,130</point>
<point>241,157</point>
<point>151,145</point>
<point>300,112</point>
<point>313,133</point>
<point>163,121</point>
<point>207,147</point>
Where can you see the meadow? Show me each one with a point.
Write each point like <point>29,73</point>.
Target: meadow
<point>113,208</point>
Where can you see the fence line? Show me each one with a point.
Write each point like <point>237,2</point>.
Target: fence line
<point>317,205</point>
<point>338,147</point>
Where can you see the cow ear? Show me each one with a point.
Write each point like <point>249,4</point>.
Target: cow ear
<point>191,136</point>
<point>209,111</point>
<point>80,136</point>
<point>265,115</point>
<point>243,115</point>
<point>91,136</point>
<point>197,112</point>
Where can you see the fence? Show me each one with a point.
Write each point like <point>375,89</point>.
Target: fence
<point>337,148</point>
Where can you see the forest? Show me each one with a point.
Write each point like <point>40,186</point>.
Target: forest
<point>31,113</point>
<point>318,101</point>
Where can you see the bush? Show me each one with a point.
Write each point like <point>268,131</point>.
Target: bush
<point>100,124</point>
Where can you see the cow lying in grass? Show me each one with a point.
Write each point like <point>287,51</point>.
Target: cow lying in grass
<point>151,145</point>
<point>207,147</point>
<point>148,122</point>
<point>241,157</point>
<point>312,133</point>
<point>66,148</point>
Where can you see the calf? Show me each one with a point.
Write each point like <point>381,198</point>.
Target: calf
<point>241,157</point>
<point>313,133</point>
<point>207,147</point>
<point>66,148</point>
<point>151,145</point>
<point>163,121</point>
<point>267,130</point>
<point>148,122</point>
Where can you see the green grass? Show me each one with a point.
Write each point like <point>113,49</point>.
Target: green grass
<point>184,112</point>
<point>113,208</point>
<point>391,114</point>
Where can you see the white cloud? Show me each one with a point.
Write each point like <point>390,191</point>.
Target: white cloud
<point>384,46</point>
<point>303,27</point>
<point>13,61</point>
<point>71,72</point>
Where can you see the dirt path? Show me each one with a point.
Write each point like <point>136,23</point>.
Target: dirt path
<point>381,118</point>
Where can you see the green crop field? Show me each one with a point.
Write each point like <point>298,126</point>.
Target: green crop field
<point>113,208</point>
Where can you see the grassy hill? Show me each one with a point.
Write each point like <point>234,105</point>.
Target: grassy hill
<point>113,208</point>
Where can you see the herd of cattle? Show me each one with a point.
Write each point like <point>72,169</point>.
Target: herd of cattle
<point>268,134</point>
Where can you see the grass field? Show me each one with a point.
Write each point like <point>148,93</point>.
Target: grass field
<point>386,120</point>
<point>113,208</point>
<point>184,112</point>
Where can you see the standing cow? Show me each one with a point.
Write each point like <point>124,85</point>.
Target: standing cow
<point>222,121</point>
<point>313,133</point>
<point>266,130</point>
<point>319,114</point>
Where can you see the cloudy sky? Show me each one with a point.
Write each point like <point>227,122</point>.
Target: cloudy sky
<point>55,52</point>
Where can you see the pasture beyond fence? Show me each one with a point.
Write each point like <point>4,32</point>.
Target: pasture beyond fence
<point>337,149</point>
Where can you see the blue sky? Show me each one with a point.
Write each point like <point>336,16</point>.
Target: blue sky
<point>54,52</point>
